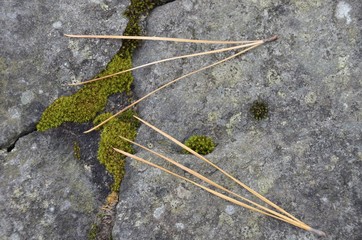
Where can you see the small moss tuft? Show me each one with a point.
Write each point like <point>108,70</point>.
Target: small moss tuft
<point>93,232</point>
<point>259,110</point>
<point>76,150</point>
<point>200,144</point>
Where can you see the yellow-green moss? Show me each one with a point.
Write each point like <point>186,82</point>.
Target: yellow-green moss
<point>76,150</point>
<point>90,99</point>
<point>200,144</point>
<point>113,161</point>
<point>134,12</point>
<point>100,118</point>
<point>93,232</point>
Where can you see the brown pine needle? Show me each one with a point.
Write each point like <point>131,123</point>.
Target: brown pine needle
<point>168,59</point>
<point>220,195</point>
<point>205,179</point>
<point>171,82</point>
<point>158,39</point>
<point>258,195</point>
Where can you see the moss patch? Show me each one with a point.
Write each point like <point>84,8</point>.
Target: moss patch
<point>259,110</point>
<point>76,150</point>
<point>201,144</point>
<point>91,99</point>
<point>113,161</point>
<point>92,234</point>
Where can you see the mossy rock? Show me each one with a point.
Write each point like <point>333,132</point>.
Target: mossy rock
<point>91,99</point>
<point>201,144</point>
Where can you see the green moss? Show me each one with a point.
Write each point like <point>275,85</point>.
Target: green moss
<point>100,118</point>
<point>200,144</point>
<point>127,116</point>
<point>76,150</point>
<point>134,12</point>
<point>92,234</point>
<point>139,8</point>
<point>113,161</point>
<point>90,99</point>
<point>259,110</point>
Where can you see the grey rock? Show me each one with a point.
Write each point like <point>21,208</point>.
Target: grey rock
<point>306,156</point>
<point>45,193</point>
<point>37,61</point>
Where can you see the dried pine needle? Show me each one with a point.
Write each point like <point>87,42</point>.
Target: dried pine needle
<point>168,59</point>
<point>173,81</point>
<point>258,195</point>
<point>252,44</point>
<point>220,195</point>
<point>283,216</point>
<point>267,211</point>
<point>150,38</point>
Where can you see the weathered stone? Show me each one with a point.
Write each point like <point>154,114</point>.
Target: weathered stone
<point>51,183</point>
<point>306,156</point>
<point>45,192</point>
<point>37,61</point>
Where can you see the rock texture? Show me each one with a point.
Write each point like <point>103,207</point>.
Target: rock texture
<point>46,192</point>
<point>37,61</point>
<point>306,156</point>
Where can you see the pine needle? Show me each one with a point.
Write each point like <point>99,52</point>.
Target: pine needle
<point>218,168</point>
<point>158,39</point>
<point>171,82</point>
<point>205,179</point>
<point>283,216</point>
<point>258,195</point>
<point>222,196</point>
<point>167,59</point>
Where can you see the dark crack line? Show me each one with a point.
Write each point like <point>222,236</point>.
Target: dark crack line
<point>23,134</point>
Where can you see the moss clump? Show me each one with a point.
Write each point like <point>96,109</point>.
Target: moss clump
<point>90,99</point>
<point>259,110</point>
<point>113,161</point>
<point>201,144</point>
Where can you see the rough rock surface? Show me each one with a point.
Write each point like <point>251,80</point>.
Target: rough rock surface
<point>306,156</point>
<point>45,191</point>
<point>37,61</point>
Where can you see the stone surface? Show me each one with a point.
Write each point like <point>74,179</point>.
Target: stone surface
<point>37,61</point>
<point>306,156</point>
<point>45,192</point>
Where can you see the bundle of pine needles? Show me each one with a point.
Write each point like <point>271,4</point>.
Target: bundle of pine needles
<point>278,213</point>
<point>243,47</point>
